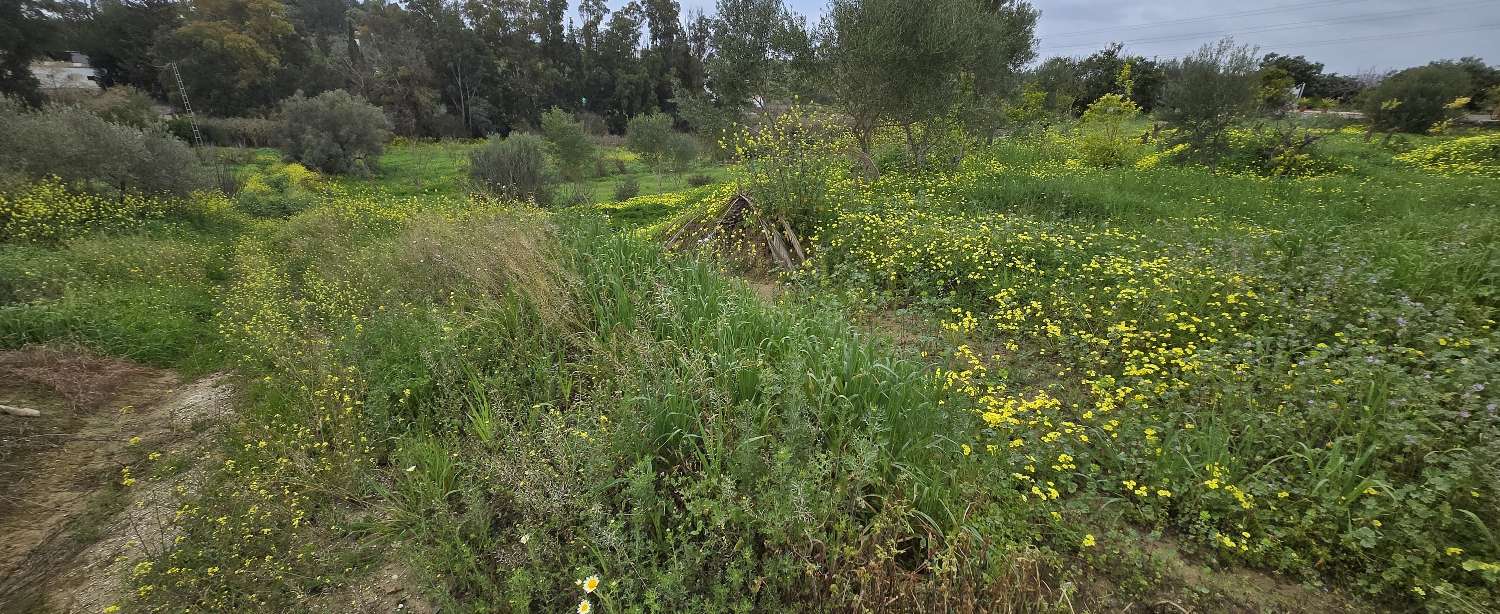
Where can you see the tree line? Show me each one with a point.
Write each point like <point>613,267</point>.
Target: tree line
<point>455,68</point>
<point>436,67</point>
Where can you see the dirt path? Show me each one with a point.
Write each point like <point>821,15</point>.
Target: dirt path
<point>68,526</point>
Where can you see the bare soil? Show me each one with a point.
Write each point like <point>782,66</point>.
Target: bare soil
<point>68,527</point>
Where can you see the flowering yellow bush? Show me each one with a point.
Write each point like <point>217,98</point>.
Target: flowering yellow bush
<point>49,211</point>
<point>1473,155</point>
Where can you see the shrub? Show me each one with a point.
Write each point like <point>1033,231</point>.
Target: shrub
<point>231,131</point>
<point>699,180</point>
<point>334,132</point>
<point>650,136</point>
<point>1102,140</point>
<point>514,167</point>
<point>120,104</point>
<point>1279,151</point>
<point>83,149</point>
<point>1414,99</point>
<point>570,146</point>
<point>1475,155</point>
<point>1206,92</point>
<point>627,188</point>
<point>278,191</point>
<point>791,161</point>
<point>681,151</point>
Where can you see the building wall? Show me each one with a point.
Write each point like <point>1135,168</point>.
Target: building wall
<point>65,75</point>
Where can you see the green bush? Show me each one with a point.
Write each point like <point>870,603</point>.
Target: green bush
<point>699,180</point>
<point>1414,99</point>
<point>229,131</point>
<point>1102,140</point>
<point>120,104</point>
<point>514,167</point>
<point>681,151</point>
<point>1279,151</point>
<point>627,188</point>
<point>238,131</point>
<point>1206,93</point>
<point>650,136</point>
<point>570,145</point>
<point>334,132</point>
<point>83,149</point>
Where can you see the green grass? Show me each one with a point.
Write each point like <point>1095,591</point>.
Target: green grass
<point>602,189</point>
<point>147,296</point>
<point>508,400</point>
<point>1296,364</point>
<point>419,169</point>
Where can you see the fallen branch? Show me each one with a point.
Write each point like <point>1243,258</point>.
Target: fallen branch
<point>792,237</point>
<point>777,246</point>
<point>19,411</point>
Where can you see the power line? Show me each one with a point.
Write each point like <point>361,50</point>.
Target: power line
<point>1366,38</point>
<point>1278,27</point>
<point>1376,37</point>
<point>1173,22</point>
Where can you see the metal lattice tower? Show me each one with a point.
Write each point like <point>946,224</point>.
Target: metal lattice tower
<point>187,106</point>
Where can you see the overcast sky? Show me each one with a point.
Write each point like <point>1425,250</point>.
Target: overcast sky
<point>1349,36</point>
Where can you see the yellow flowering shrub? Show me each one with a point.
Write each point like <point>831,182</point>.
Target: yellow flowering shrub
<point>1473,155</point>
<point>49,211</point>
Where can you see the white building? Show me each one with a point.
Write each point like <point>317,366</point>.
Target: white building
<point>75,73</point>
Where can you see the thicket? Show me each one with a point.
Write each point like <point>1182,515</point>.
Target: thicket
<point>229,131</point>
<point>1415,99</point>
<point>84,150</point>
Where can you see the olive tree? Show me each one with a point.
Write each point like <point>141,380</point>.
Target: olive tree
<point>650,136</point>
<point>334,132</point>
<point>1206,92</point>
<point>84,150</point>
<point>909,64</point>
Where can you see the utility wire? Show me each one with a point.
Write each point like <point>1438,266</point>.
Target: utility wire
<point>1366,38</point>
<point>1279,27</point>
<point>1172,22</point>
